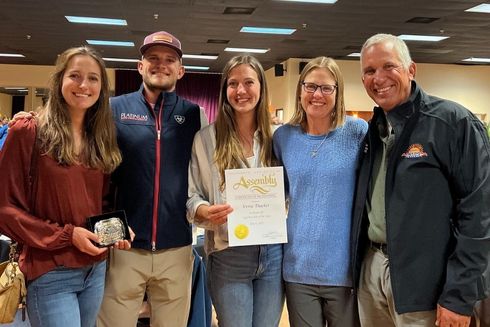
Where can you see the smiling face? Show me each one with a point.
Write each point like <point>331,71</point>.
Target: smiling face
<point>243,89</point>
<point>81,83</point>
<point>160,68</point>
<point>317,105</point>
<point>385,79</point>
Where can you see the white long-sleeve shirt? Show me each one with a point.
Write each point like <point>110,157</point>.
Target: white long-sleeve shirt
<point>204,181</point>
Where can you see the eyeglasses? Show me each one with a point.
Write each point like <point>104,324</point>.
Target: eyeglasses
<point>326,89</point>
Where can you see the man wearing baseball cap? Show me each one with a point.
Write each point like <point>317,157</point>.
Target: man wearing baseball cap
<point>155,131</point>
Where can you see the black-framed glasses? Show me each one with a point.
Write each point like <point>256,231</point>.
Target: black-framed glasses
<point>326,89</point>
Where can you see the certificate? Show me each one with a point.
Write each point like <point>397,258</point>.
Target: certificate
<point>259,210</point>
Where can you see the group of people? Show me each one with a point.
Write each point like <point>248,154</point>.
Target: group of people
<point>388,224</point>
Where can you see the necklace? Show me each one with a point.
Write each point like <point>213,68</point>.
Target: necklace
<point>314,152</point>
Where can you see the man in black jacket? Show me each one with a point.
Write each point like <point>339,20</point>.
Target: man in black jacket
<point>421,223</point>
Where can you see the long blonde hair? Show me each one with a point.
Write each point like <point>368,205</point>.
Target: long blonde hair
<point>228,153</point>
<point>100,148</point>
<point>338,114</point>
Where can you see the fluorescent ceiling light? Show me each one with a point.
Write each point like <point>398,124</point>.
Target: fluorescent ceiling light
<point>15,88</point>
<point>120,59</point>
<point>268,30</point>
<point>424,38</point>
<point>313,1</point>
<point>484,7</point>
<point>472,59</point>
<point>16,55</point>
<point>207,57</point>
<point>354,54</point>
<point>246,50</point>
<point>196,67</point>
<point>112,43</point>
<point>96,20</point>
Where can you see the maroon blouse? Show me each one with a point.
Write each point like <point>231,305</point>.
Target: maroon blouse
<point>63,198</point>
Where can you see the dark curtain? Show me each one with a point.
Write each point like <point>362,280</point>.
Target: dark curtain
<point>200,88</point>
<point>17,103</point>
<point>127,81</point>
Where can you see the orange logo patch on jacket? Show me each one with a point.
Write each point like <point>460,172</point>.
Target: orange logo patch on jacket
<point>414,151</point>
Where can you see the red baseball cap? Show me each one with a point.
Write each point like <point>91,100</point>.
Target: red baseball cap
<point>161,38</point>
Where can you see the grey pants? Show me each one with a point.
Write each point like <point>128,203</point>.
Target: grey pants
<point>315,305</point>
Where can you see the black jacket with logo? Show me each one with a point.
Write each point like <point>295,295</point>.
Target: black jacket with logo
<point>437,205</point>
<point>152,180</point>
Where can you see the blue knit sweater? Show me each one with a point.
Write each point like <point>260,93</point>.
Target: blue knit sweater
<point>321,191</point>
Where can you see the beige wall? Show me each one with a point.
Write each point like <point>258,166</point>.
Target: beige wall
<point>5,105</point>
<point>468,85</point>
<point>30,76</point>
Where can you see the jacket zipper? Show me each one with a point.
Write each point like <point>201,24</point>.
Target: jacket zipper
<point>156,188</point>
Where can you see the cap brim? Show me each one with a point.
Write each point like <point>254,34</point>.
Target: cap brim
<point>145,47</point>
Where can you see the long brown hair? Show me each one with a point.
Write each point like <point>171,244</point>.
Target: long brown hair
<point>338,114</point>
<point>54,123</point>
<point>228,153</point>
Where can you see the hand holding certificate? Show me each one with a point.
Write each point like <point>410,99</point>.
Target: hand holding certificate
<point>259,210</point>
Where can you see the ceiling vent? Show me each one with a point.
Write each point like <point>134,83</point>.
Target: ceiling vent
<point>238,11</point>
<point>422,20</point>
<point>218,41</point>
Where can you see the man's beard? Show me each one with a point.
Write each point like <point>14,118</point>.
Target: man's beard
<point>154,87</point>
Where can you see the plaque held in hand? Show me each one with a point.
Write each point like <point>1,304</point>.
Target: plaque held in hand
<point>109,227</point>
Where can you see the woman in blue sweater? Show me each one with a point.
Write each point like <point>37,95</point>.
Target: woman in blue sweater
<point>318,149</point>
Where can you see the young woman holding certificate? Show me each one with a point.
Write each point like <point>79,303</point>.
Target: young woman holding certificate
<point>318,149</point>
<point>245,282</point>
<point>53,169</point>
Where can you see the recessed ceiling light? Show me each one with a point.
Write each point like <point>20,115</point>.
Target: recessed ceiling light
<point>206,57</point>
<point>354,54</point>
<point>246,50</point>
<point>14,55</point>
<point>473,59</point>
<point>196,67</point>
<point>484,7</point>
<point>120,59</point>
<point>424,38</point>
<point>268,30</point>
<point>111,43</point>
<point>96,20</point>
<point>313,1</point>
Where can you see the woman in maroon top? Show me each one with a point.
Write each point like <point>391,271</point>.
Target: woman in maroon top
<point>76,150</point>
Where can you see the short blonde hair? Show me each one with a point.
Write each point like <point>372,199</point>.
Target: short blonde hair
<point>338,115</point>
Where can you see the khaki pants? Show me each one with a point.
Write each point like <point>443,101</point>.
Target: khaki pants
<point>165,276</point>
<point>375,297</point>
<point>481,317</point>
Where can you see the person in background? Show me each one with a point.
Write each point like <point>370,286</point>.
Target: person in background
<point>319,150</point>
<point>68,150</point>
<point>245,282</point>
<point>155,130</point>
<point>4,125</point>
<point>421,225</point>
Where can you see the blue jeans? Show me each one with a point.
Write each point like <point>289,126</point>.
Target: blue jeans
<point>246,285</point>
<point>66,297</point>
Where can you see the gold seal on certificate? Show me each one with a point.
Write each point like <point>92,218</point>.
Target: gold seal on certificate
<point>259,210</point>
<point>109,227</point>
<point>241,231</point>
